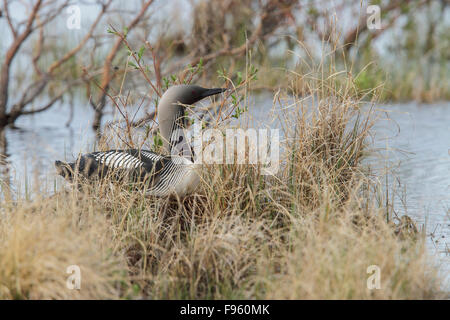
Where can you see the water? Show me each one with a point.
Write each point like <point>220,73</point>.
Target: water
<point>42,138</point>
<point>415,139</point>
<point>412,139</point>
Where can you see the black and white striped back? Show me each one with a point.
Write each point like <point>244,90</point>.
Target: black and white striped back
<point>161,174</point>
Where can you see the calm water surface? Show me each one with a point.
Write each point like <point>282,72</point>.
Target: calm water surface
<point>414,140</point>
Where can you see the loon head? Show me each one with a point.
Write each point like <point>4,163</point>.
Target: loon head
<point>185,94</point>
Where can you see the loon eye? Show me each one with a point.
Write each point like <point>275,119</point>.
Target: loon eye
<point>193,92</point>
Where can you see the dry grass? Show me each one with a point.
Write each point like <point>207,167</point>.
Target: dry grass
<point>40,239</point>
<point>308,232</point>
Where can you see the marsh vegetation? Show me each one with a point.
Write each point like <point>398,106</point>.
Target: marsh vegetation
<point>309,231</point>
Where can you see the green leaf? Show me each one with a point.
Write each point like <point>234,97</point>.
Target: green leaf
<point>132,64</point>
<point>141,51</point>
<point>239,78</point>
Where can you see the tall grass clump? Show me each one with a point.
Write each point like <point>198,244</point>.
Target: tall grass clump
<point>309,231</point>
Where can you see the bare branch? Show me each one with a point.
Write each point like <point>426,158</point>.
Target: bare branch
<point>10,54</point>
<point>45,107</point>
<point>107,76</point>
<point>75,50</point>
<point>8,19</point>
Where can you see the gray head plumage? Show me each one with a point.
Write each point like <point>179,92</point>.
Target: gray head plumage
<point>171,110</point>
